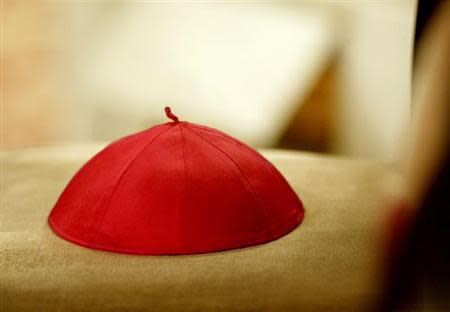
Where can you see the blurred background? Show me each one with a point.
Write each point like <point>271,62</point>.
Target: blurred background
<point>323,76</point>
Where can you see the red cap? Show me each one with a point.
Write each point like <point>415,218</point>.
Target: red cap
<point>176,188</point>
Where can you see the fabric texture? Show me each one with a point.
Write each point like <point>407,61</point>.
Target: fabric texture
<point>329,263</point>
<point>176,188</point>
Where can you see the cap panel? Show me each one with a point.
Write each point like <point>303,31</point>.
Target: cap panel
<point>143,213</point>
<point>282,206</point>
<point>221,211</point>
<point>83,199</point>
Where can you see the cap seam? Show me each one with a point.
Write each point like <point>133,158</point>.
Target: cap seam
<point>255,193</point>
<point>103,213</point>
<point>230,138</point>
<point>185,194</point>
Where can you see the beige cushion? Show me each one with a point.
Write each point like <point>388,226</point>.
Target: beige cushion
<point>328,263</point>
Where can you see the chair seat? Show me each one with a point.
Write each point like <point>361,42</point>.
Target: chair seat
<point>328,263</point>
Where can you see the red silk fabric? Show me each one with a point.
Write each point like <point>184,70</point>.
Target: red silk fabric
<point>176,188</point>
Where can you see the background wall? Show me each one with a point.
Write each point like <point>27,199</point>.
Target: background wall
<point>375,78</point>
<point>78,70</point>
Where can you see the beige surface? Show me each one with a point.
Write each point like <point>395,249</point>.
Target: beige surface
<point>327,264</point>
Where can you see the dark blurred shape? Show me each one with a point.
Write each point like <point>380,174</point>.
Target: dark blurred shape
<point>425,10</point>
<point>418,274</point>
<point>312,126</point>
<point>422,268</point>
